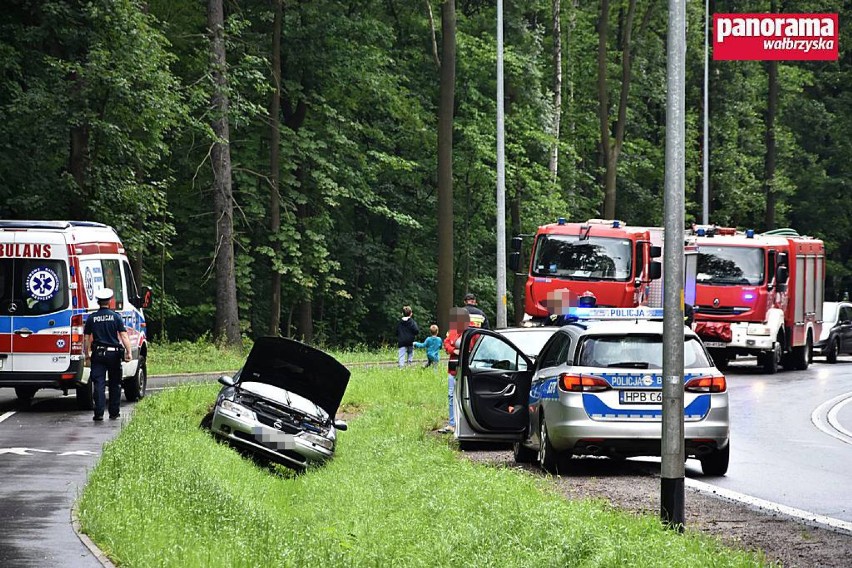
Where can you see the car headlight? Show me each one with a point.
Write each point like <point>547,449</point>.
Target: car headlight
<point>234,409</point>
<point>758,329</point>
<point>318,440</point>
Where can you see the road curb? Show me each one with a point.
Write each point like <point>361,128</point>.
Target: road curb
<point>87,542</point>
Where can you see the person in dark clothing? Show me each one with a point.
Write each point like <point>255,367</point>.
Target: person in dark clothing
<point>406,333</point>
<point>477,316</point>
<point>108,344</point>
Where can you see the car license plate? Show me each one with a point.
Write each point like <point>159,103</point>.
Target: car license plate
<point>640,397</point>
<point>715,344</point>
<point>272,438</point>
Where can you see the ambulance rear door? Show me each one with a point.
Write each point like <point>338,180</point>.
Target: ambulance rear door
<point>36,297</point>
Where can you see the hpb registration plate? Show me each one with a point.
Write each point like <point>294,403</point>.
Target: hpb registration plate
<point>640,397</point>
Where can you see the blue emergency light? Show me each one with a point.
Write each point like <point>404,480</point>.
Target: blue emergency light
<point>641,312</point>
<point>700,232</point>
<point>561,221</point>
<point>616,224</point>
<point>749,233</point>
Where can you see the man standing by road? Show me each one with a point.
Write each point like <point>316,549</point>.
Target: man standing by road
<point>107,341</point>
<point>477,316</point>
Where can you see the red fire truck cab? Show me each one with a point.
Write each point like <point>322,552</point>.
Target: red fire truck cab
<point>759,294</point>
<point>606,257</point>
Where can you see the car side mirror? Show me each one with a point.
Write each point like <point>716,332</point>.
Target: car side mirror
<point>341,425</point>
<point>656,270</point>
<point>514,261</point>
<point>782,273</point>
<point>226,380</point>
<point>656,251</point>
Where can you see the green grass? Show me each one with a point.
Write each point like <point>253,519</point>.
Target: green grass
<point>166,494</point>
<point>203,356</point>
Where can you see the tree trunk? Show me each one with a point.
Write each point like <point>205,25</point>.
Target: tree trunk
<point>557,89</point>
<point>226,328</point>
<point>612,150</point>
<point>274,171</point>
<point>445,162</point>
<point>306,320</point>
<point>77,165</point>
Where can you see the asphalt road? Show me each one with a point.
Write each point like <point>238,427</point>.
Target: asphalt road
<point>46,452</point>
<point>791,444</point>
<point>791,437</point>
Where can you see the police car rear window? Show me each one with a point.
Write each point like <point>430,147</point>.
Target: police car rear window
<point>32,287</point>
<point>636,352</point>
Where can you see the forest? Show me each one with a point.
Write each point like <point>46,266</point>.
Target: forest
<point>307,168</point>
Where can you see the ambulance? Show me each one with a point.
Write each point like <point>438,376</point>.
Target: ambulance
<point>49,273</point>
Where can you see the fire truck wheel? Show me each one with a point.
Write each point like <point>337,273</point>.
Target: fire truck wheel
<point>802,355</point>
<point>770,360</point>
<point>25,393</point>
<point>833,350</point>
<point>135,386</point>
<point>85,400</point>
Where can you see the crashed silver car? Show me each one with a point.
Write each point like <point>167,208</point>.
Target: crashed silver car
<point>280,407</point>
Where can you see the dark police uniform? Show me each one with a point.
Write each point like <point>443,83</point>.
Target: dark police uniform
<point>107,353</point>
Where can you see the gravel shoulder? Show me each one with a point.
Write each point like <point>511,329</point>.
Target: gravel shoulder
<point>634,489</point>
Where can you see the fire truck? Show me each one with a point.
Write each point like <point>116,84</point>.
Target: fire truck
<point>759,294</point>
<point>606,257</point>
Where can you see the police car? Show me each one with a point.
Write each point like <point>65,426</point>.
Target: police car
<point>594,390</point>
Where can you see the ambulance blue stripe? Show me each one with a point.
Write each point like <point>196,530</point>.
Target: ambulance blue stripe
<point>36,323</point>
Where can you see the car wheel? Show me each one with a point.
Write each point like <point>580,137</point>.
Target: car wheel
<point>833,351</point>
<point>85,396</point>
<point>549,458</point>
<point>523,454</point>
<point>135,386</point>
<point>207,421</point>
<point>716,462</point>
<point>25,394</point>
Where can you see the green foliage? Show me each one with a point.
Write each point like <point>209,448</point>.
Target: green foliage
<point>166,494</point>
<point>129,81</point>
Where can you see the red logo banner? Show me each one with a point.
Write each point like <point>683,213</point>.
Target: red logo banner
<point>779,37</point>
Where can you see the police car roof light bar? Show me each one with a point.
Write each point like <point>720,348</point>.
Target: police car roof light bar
<point>643,313</point>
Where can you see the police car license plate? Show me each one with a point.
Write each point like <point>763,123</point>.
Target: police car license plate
<point>640,397</point>
<point>715,344</point>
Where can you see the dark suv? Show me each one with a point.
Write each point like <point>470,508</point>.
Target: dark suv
<point>836,336</point>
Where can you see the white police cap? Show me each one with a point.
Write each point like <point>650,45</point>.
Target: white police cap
<point>103,294</point>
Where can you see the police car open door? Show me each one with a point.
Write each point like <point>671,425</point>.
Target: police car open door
<point>493,387</point>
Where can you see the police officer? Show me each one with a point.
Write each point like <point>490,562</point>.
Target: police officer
<point>107,339</point>
<point>477,316</point>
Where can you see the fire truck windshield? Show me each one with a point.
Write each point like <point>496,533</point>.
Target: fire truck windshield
<point>730,266</point>
<point>595,258</point>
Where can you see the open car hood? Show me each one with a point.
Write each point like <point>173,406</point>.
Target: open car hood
<point>298,368</point>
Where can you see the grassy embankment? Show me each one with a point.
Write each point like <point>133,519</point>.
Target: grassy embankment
<point>166,494</point>
<point>177,357</point>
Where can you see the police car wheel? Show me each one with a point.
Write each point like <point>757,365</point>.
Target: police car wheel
<point>833,351</point>
<point>549,459</point>
<point>716,463</point>
<point>85,400</point>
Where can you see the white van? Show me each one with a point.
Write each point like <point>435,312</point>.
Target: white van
<point>49,272</point>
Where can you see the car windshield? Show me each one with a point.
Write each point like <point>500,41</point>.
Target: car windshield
<point>529,340</point>
<point>595,258</point>
<point>729,266</point>
<point>636,352</point>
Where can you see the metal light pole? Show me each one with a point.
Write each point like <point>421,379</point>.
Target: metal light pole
<point>705,211</point>
<point>501,179</point>
<point>672,450</point>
